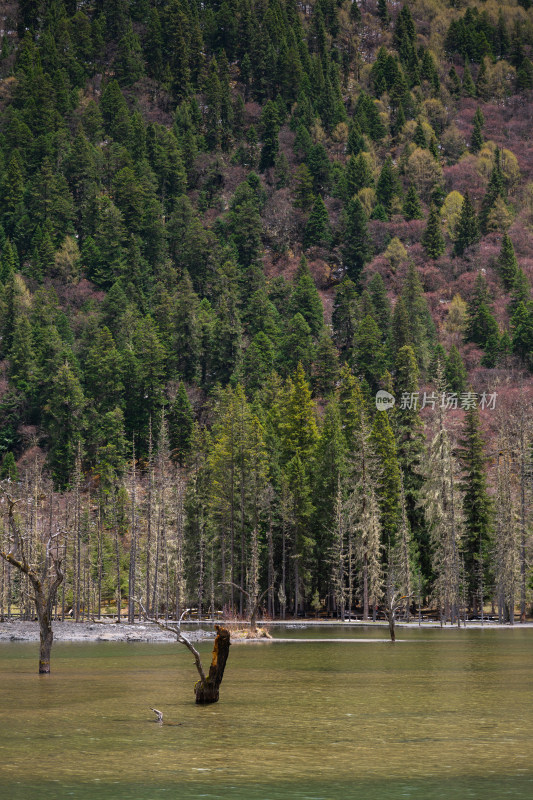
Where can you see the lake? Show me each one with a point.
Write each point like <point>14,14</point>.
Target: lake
<point>441,715</point>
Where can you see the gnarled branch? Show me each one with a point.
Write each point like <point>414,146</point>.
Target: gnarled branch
<point>176,630</point>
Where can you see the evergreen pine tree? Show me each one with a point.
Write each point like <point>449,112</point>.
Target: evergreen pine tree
<point>356,140</point>
<point>482,81</point>
<point>383,12</point>
<point>326,365</point>
<point>102,369</point>
<point>13,184</point>
<point>469,87</point>
<point>467,232</point>
<point>296,345</point>
<point>22,369</point>
<point>521,290</point>
<point>481,322</point>
<point>128,63</point>
<point>432,239</point>
<point>476,141</point>
<point>387,186</point>
<point>507,263</point>
<point>379,212</point>
<point>522,333</point>
<point>401,327</point>
<point>303,182</point>
<point>380,303</point>
<point>180,426</point>
<point>356,247</point>
<point>344,314</point>
<point>419,137</point>
<point>477,507</point>
<point>455,83</point>
<point>317,229</point>
<point>412,208</point>
<point>420,321</point>
<point>369,352</point>
<point>298,421</point>
<point>258,362</point>
<point>8,263</point>
<point>358,175</point>
<point>226,342</point>
<point>306,300</point>
<point>269,136</point>
<point>8,468</point>
<point>64,424</point>
<point>111,447</point>
<point>399,121</point>
<point>455,372</point>
<point>495,190</point>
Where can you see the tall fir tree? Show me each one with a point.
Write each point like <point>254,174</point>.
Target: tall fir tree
<point>412,208</point>
<point>467,232</point>
<point>507,263</point>
<point>477,508</point>
<point>476,140</point>
<point>317,230</point>
<point>432,238</point>
<point>356,247</point>
<point>269,136</point>
<point>180,426</point>
<point>305,299</point>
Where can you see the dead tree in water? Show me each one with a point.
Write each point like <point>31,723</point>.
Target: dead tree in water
<point>207,688</point>
<point>391,606</point>
<point>393,601</point>
<point>44,573</point>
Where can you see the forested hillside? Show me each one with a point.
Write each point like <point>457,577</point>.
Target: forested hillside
<point>225,226</point>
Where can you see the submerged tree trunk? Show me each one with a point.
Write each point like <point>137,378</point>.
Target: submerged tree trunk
<point>47,639</point>
<point>207,688</point>
<point>392,624</point>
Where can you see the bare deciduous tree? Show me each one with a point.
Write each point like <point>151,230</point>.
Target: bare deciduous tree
<point>40,562</point>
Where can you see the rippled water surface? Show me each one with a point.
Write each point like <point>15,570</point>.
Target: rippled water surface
<point>441,714</point>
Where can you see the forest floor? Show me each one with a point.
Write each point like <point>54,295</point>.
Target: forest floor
<point>16,631</point>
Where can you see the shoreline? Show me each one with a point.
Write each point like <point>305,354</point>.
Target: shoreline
<point>17,631</point>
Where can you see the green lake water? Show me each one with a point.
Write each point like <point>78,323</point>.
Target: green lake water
<point>441,715</point>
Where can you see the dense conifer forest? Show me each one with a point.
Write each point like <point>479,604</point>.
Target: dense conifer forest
<point>225,227</point>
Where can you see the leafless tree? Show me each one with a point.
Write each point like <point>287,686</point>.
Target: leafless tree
<point>39,561</point>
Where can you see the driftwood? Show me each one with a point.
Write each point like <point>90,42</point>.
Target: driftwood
<point>207,688</point>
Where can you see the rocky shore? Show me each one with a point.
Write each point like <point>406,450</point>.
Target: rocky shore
<point>96,632</point>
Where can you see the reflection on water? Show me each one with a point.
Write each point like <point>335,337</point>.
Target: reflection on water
<point>443,714</point>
